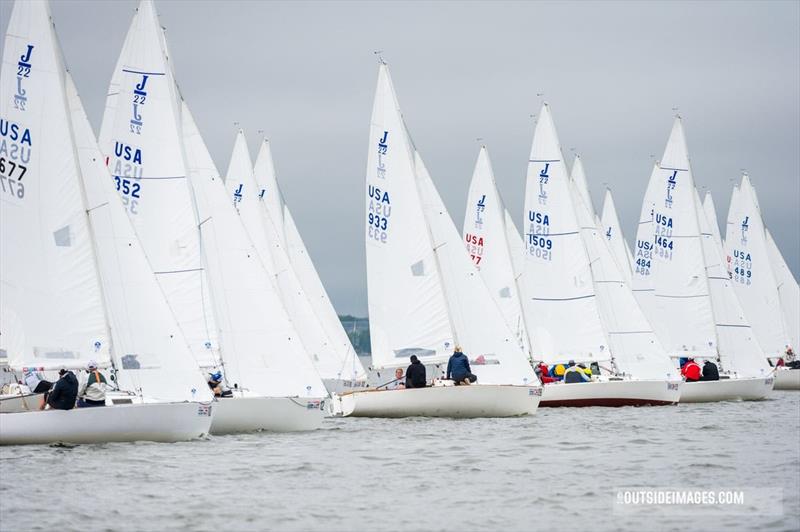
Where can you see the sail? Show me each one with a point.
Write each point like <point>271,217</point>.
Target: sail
<point>788,291</point>
<point>407,308</point>
<point>150,353</point>
<point>52,303</point>
<point>682,315</point>
<point>558,294</point>
<point>516,246</point>
<point>711,217</point>
<point>644,251</point>
<point>634,346</point>
<point>748,262</point>
<point>262,353</point>
<point>478,321</point>
<point>141,139</point>
<point>346,363</point>
<point>485,235</point>
<point>246,195</point>
<point>578,176</point>
<point>738,348</point>
<point>612,230</point>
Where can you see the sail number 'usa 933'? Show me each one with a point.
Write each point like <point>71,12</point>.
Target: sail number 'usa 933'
<point>15,154</point>
<point>379,206</point>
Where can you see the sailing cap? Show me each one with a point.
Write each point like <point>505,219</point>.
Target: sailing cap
<point>92,364</point>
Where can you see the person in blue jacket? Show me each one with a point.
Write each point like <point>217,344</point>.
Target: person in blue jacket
<point>458,368</point>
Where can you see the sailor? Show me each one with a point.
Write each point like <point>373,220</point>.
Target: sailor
<point>557,372</point>
<point>543,373</point>
<point>574,373</point>
<point>690,370</point>
<point>63,394</point>
<point>458,368</point>
<point>215,383</point>
<point>399,382</point>
<point>710,371</point>
<point>92,391</point>
<point>415,374</point>
<point>790,359</point>
<point>35,382</point>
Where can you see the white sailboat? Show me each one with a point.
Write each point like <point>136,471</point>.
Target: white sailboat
<point>76,284</point>
<point>424,293</point>
<point>154,147</point>
<point>350,374</point>
<point>789,295</point>
<point>694,310</point>
<point>486,238</point>
<point>612,230</point>
<point>577,304</point>
<point>754,271</point>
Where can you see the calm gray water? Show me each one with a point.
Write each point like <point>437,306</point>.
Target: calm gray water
<point>556,470</point>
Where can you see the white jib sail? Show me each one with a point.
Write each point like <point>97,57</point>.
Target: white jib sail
<point>682,315</point>
<point>788,291</point>
<point>612,231</point>
<point>407,309</point>
<point>517,248</point>
<point>485,235</point>
<point>480,326</point>
<point>262,353</point>
<point>578,176</point>
<point>738,349</point>
<point>52,302</point>
<point>246,195</point>
<point>644,251</point>
<point>748,263</point>
<point>557,291</point>
<point>310,282</point>
<point>710,211</point>
<point>141,139</point>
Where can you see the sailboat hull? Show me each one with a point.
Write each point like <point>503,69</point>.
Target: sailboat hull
<point>787,379</point>
<point>275,414</point>
<point>28,402</point>
<point>161,422</point>
<point>612,393</point>
<point>474,401</point>
<point>743,389</point>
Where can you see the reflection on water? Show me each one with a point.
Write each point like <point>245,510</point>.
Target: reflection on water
<point>558,469</point>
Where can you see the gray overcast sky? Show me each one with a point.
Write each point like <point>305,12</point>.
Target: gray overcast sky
<point>304,72</point>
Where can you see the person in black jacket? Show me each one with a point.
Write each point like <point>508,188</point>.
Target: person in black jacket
<point>415,374</point>
<point>64,393</point>
<point>710,372</point>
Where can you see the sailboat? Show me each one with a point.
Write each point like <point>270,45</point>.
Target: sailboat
<point>612,230</point>
<point>486,238</point>
<point>690,301</point>
<point>347,372</point>
<point>221,294</point>
<point>266,233</point>
<point>577,304</point>
<point>425,296</point>
<point>76,283</point>
<point>753,269</point>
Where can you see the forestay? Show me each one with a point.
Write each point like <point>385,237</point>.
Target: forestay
<point>557,290</point>
<point>749,268</point>
<point>485,235</point>
<point>612,230</point>
<point>788,291</point>
<point>261,351</point>
<point>142,141</point>
<point>407,308</point>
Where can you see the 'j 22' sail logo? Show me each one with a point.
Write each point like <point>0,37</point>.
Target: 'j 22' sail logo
<point>237,194</point>
<point>383,148</point>
<point>479,208</point>
<point>23,72</point>
<point>608,233</point>
<point>745,228</point>
<point>139,98</point>
<point>671,182</point>
<point>544,178</point>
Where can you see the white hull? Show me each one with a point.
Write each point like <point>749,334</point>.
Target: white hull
<point>344,385</point>
<point>612,393</point>
<point>162,422</point>
<point>28,402</point>
<point>473,401</point>
<point>742,389</point>
<point>787,379</point>
<point>276,414</point>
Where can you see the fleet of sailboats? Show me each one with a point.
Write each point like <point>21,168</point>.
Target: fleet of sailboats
<point>132,251</point>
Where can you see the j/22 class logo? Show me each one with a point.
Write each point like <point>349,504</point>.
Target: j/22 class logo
<point>139,99</point>
<point>24,67</point>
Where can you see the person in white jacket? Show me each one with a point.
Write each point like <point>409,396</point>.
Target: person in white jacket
<point>92,390</point>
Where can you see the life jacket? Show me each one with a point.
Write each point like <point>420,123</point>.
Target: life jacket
<point>691,371</point>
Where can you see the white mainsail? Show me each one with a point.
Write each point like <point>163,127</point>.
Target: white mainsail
<point>748,262</point>
<point>642,282</point>
<point>710,211</point>
<point>486,237</point>
<point>247,196</point>
<point>612,230</point>
<point>788,291</point>
<point>141,138</point>
<point>558,294</point>
<point>578,176</point>
<point>516,246</point>
<point>262,354</point>
<point>350,368</point>
<point>682,312</point>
